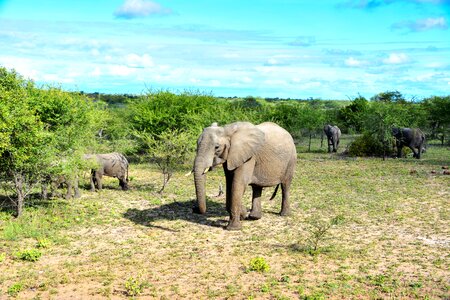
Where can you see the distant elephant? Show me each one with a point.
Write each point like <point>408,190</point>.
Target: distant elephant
<point>109,164</point>
<point>55,182</point>
<point>333,134</point>
<point>261,155</point>
<point>413,138</point>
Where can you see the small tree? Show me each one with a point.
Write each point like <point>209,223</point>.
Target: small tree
<point>389,97</point>
<point>379,119</point>
<point>352,115</point>
<point>43,131</point>
<point>311,120</point>
<point>438,112</point>
<point>24,144</point>
<point>169,151</point>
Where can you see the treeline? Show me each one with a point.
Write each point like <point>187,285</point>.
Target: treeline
<point>46,130</point>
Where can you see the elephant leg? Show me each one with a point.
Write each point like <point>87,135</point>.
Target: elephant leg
<point>123,184</point>
<point>92,181</point>
<point>98,179</point>
<point>69,190</point>
<point>399,150</point>
<point>419,151</point>
<point>416,154</point>
<point>255,213</point>
<point>228,184</point>
<point>285,207</point>
<point>44,191</point>
<point>76,188</point>
<point>236,208</point>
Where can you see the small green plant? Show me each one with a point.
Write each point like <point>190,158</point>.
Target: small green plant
<point>258,264</point>
<point>43,243</point>
<point>2,257</point>
<point>134,286</point>
<point>15,289</point>
<point>29,254</point>
<point>319,231</point>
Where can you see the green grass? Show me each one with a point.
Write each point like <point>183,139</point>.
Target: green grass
<point>361,228</point>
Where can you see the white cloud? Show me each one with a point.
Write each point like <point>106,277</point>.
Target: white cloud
<point>120,70</point>
<point>272,62</point>
<point>140,8</point>
<point>396,59</point>
<point>246,79</point>
<point>135,61</point>
<point>430,23</point>
<point>97,72</point>
<point>214,83</point>
<point>423,24</point>
<point>353,62</point>
<point>57,78</point>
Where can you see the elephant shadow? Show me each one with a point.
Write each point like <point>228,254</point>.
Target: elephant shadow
<point>179,211</point>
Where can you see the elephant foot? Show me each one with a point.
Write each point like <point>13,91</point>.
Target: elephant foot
<point>285,213</point>
<point>196,210</point>
<point>234,226</point>
<point>253,216</point>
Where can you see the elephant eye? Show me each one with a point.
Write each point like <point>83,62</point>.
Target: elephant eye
<point>216,147</point>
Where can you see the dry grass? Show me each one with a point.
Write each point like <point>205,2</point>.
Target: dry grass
<point>389,239</point>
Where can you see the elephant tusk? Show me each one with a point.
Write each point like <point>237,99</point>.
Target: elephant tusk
<point>206,171</point>
<point>188,173</point>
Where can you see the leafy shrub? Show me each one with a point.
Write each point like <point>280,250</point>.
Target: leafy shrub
<point>258,264</point>
<point>43,243</point>
<point>15,289</point>
<point>368,145</point>
<point>29,254</point>
<point>134,286</point>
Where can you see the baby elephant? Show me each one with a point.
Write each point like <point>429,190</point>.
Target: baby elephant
<point>109,164</point>
<point>55,181</point>
<point>333,134</point>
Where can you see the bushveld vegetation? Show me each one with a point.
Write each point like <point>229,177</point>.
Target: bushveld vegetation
<point>362,227</point>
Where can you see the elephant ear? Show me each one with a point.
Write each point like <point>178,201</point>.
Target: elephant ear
<point>245,141</point>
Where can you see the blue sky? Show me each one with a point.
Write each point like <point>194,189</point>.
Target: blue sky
<point>265,48</point>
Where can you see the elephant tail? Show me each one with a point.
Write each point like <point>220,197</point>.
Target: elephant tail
<point>275,192</point>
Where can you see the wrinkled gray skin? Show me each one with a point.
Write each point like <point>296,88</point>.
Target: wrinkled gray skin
<point>413,138</point>
<point>109,164</point>
<point>333,134</point>
<point>260,156</point>
<point>55,182</point>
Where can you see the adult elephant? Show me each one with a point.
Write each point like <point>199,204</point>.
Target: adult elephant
<point>333,134</point>
<point>261,155</point>
<point>413,138</point>
<point>109,164</point>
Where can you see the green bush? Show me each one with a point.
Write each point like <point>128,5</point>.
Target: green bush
<point>15,289</point>
<point>258,264</point>
<point>43,243</point>
<point>29,254</point>
<point>368,145</point>
<point>134,286</point>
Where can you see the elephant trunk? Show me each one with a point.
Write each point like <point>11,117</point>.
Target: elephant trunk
<point>200,186</point>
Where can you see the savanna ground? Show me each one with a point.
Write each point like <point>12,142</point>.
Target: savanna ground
<point>361,228</point>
